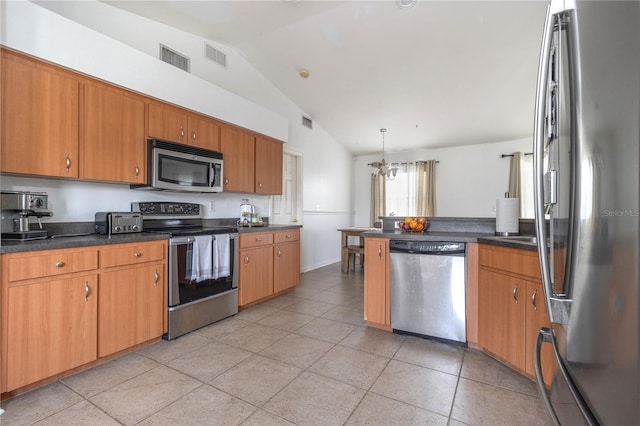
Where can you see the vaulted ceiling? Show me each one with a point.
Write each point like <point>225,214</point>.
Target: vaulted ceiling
<point>436,73</point>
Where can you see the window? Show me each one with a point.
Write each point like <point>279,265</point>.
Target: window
<point>400,199</point>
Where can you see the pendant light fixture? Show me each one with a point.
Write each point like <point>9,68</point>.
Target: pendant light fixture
<point>381,167</point>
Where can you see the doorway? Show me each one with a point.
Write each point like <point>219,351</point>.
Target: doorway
<point>287,208</point>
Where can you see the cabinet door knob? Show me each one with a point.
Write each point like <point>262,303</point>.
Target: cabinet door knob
<point>157,278</point>
<point>515,293</point>
<point>533,299</point>
<point>380,252</point>
<point>258,240</point>
<point>260,185</point>
<point>246,260</point>
<point>137,170</point>
<point>67,163</point>
<point>86,291</point>
<point>279,253</point>
<point>193,135</point>
<point>181,132</point>
<point>59,264</point>
<point>137,254</point>
<point>288,236</point>
<point>226,181</point>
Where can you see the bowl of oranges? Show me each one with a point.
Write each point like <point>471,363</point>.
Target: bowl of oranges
<point>414,224</point>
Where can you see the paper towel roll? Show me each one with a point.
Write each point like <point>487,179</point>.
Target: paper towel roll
<point>507,216</point>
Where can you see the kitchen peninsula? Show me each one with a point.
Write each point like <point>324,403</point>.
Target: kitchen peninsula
<point>499,273</point>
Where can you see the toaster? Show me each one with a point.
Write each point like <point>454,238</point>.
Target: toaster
<point>110,223</point>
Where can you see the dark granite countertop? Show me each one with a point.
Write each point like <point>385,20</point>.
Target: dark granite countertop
<point>455,237</point>
<point>242,229</point>
<point>62,242</point>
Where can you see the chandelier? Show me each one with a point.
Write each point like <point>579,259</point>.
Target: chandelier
<point>382,167</point>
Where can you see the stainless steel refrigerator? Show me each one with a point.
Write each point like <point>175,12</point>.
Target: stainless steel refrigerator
<point>587,137</point>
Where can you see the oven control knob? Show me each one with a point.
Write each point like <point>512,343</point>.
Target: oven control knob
<point>135,228</point>
<point>117,228</point>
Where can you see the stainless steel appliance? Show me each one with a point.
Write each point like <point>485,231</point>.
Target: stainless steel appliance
<point>586,203</point>
<point>428,289</point>
<point>177,167</point>
<point>194,301</point>
<point>111,223</point>
<point>18,208</point>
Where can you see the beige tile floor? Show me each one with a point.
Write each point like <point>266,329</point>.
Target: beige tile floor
<point>304,358</point>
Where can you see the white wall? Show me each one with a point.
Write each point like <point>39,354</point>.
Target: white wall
<point>127,56</point>
<point>468,178</point>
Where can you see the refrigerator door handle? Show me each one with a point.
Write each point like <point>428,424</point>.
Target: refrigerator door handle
<point>538,153</point>
<point>545,335</point>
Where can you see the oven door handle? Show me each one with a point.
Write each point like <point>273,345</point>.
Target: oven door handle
<point>175,241</point>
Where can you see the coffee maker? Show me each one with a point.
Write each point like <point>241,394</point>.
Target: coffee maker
<point>17,209</point>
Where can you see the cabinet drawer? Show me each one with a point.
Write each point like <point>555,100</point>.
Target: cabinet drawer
<point>514,261</point>
<point>131,254</point>
<point>46,264</point>
<point>256,239</point>
<point>286,236</point>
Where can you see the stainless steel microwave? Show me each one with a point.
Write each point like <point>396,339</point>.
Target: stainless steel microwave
<point>176,167</point>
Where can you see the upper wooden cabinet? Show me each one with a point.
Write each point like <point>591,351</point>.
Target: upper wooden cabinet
<point>113,142</point>
<point>39,116</point>
<point>238,152</point>
<point>179,125</point>
<point>268,177</point>
<point>56,122</point>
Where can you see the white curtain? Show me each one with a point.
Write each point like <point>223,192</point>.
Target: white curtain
<point>426,188</point>
<point>378,190</point>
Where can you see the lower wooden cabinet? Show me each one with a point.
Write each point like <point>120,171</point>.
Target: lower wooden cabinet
<point>502,316</point>
<point>511,308</point>
<point>286,266</point>
<point>269,263</point>
<point>51,328</point>
<point>377,311</point>
<point>256,274</point>
<point>130,307</point>
<point>61,309</point>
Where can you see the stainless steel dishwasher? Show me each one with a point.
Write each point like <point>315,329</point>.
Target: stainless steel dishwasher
<point>428,289</point>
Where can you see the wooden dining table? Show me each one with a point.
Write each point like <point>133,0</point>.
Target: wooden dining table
<point>351,232</point>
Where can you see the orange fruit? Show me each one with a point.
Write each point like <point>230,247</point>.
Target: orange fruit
<point>413,225</point>
<point>419,227</point>
<point>422,220</point>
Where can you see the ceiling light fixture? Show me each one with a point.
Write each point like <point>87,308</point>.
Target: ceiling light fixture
<point>304,73</point>
<point>381,167</point>
<point>406,4</point>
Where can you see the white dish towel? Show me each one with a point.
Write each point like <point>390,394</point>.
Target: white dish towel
<point>202,259</point>
<point>222,257</point>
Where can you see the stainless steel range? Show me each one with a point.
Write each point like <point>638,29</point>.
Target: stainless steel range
<point>203,265</point>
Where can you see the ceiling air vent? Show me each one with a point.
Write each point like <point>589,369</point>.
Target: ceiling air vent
<point>307,122</point>
<point>215,55</point>
<point>174,58</point>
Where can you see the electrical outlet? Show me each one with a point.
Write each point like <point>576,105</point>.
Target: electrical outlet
<point>212,206</point>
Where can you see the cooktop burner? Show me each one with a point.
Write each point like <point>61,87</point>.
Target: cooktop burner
<point>181,232</point>
<point>176,219</point>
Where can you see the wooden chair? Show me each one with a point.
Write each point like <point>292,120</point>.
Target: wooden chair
<point>352,251</point>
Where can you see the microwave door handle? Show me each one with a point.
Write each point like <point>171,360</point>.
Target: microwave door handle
<point>212,175</point>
